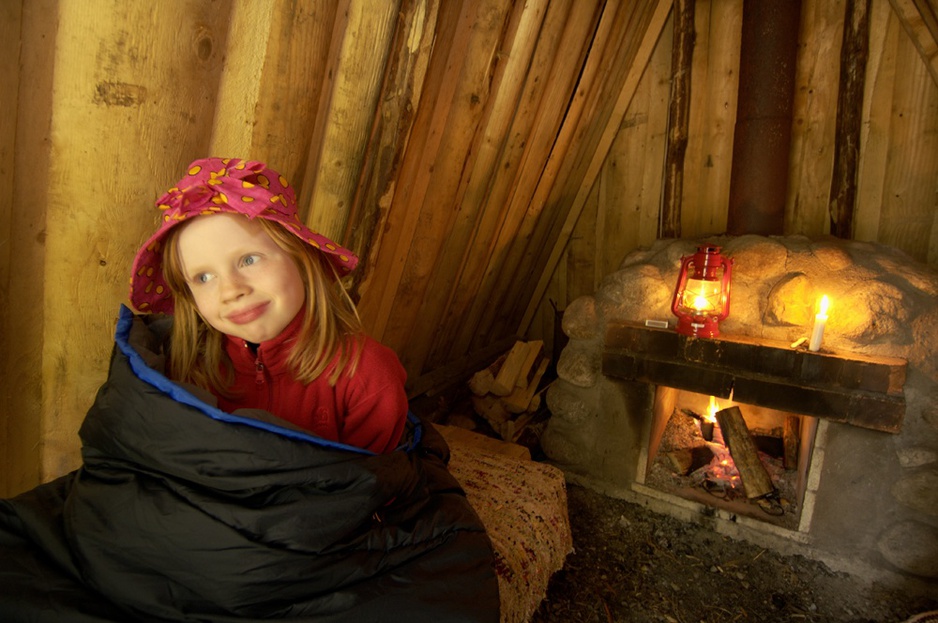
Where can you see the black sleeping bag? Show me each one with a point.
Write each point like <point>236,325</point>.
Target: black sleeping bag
<point>182,512</point>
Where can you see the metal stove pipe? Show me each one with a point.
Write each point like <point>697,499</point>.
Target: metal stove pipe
<point>762,140</point>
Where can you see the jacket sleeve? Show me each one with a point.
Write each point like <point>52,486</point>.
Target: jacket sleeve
<point>375,400</point>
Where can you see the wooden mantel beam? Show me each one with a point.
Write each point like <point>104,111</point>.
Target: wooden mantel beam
<point>852,389</point>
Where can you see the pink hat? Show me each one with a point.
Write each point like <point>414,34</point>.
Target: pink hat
<point>220,185</point>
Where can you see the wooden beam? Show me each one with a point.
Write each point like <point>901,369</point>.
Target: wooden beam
<point>608,60</point>
<point>453,32</point>
<point>31,27</point>
<point>682,56</point>
<point>239,91</point>
<point>391,130</point>
<point>861,390</point>
<point>362,35</point>
<point>536,125</point>
<point>853,56</point>
<point>705,185</point>
<point>920,21</point>
<point>113,109</point>
<point>546,83</point>
<point>814,115</point>
<point>283,115</point>
<point>645,50</point>
<point>499,96</point>
<point>445,221</point>
<point>882,74</point>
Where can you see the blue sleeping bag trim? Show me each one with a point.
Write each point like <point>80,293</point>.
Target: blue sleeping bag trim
<point>150,376</point>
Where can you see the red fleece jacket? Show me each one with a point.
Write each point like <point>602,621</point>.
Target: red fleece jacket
<point>368,410</point>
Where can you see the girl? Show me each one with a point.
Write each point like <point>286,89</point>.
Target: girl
<point>260,316</point>
<point>181,514</point>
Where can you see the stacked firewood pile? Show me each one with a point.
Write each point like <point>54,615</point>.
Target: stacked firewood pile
<point>507,393</point>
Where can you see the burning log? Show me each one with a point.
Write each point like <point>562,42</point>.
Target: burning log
<point>736,435</point>
<point>687,460</point>
<point>706,425</point>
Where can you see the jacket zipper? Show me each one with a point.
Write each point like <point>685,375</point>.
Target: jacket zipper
<point>259,372</point>
<point>260,378</point>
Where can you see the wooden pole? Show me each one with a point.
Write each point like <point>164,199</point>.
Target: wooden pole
<point>853,56</point>
<point>682,58</point>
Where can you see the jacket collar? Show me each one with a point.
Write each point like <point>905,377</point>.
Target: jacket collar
<point>272,354</point>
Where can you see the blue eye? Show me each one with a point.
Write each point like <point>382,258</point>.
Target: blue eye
<point>202,278</point>
<point>249,260</point>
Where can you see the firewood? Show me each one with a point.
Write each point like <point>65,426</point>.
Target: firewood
<point>687,460</point>
<point>481,382</point>
<point>680,460</point>
<point>508,374</point>
<point>518,426</point>
<point>490,408</point>
<point>528,369</point>
<point>520,399</point>
<point>736,435</point>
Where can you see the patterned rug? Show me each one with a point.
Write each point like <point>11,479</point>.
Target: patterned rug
<point>523,505</point>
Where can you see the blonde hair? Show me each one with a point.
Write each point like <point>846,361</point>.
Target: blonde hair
<point>331,328</point>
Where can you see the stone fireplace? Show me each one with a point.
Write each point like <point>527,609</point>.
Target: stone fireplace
<point>848,434</point>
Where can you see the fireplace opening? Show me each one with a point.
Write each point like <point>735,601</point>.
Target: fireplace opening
<point>688,455</point>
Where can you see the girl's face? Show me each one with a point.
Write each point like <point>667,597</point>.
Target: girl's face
<point>242,282</point>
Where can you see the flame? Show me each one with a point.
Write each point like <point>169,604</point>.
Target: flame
<point>700,295</point>
<point>712,410</point>
<point>825,304</point>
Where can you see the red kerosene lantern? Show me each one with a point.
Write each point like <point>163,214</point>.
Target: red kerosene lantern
<point>702,297</point>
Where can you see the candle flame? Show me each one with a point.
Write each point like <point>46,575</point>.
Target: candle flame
<point>825,304</point>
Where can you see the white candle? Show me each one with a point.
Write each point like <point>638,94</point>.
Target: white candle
<point>819,322</point>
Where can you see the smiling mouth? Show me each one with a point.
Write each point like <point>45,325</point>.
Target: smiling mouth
<point>248,315</point>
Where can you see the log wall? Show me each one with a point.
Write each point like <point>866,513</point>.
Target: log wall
<point>490,160</point>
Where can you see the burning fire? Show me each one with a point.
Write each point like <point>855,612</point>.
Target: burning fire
<point>722,471</point>
<point>712,410</point>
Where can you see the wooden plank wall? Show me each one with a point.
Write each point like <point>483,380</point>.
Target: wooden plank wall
<point>491,160</point>
<point>898,146</point>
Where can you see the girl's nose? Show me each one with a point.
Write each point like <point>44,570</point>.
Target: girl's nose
<point>233,287</point>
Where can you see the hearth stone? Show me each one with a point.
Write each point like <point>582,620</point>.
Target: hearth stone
<point>871,503</point>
